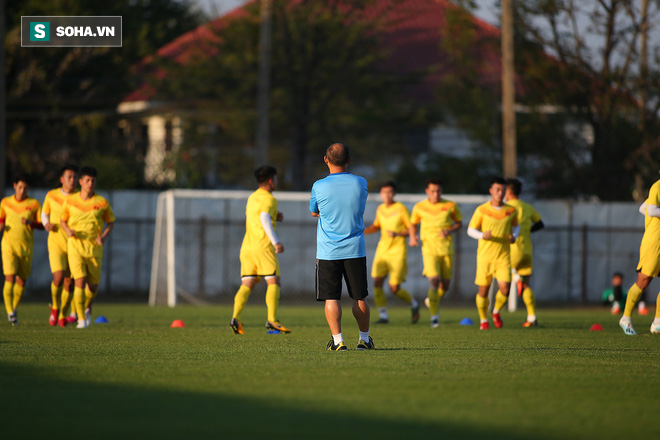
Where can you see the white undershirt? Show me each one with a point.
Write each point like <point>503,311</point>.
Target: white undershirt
<point>478,235</point>
<point>653,210</point>
<point>268,227</point>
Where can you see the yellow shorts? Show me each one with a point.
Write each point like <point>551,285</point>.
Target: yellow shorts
<point>522,263</point>
<point>395,267</point>
<point>13,264</point>
<point>263,263</point>
<point>58,257</point>
<point>500,269</point>
<point>84,266</point>
<point>438,266</point>
<point>649,259</point>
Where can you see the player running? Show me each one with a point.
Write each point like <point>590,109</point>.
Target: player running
<point>521,251</point>
<point>393,221</point>
<point>440,219</point>
<point>495,225</point>
<point>61,287</point>
<point>649,261</point>
<point>19,216</point>
<point>83,217</point>
<point>258,250</point>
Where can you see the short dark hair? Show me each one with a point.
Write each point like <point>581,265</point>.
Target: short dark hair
<point>264,173</point>
<point>498,180</point>
<point>617,274</point>
<point>433,181</point>
<point>388,184</point>
<point>515,185</point>
<point>338,154</point>
<point>68,167</point>
<point>87,171</point>
<point>23,177</point>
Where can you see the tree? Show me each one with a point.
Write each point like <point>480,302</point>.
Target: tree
<point>329,83</point>
<point>62,101</point>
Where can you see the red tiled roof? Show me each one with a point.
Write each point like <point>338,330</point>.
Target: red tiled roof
<point>413,34</point>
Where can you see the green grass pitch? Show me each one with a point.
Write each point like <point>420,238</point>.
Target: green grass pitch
<point>138,378</point>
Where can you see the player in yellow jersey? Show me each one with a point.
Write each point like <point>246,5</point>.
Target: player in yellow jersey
<point>522,250</point>
<point>440,219</point>
<point>495,225</point>
<point>61,287</point>
<point>19,217</point>
<point>393,222</point>
<point>88,220</point>
<point>258,250</point>
<point>649,261</point>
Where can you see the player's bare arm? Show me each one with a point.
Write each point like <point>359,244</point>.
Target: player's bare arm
<point>412,234</point>
<point>101,239</point>
<point>444,233</point>
<point>371,229</point>
<point>315,214</point>
<point>69,232</point>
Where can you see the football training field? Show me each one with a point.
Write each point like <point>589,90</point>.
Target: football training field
<point>138,378</point>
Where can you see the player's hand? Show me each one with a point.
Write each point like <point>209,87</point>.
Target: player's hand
<point>24,221</point>
<point>444,233</point>
<point>279,248</point>
<point>512,238</point>
<point>487,235</point>
<point>280,216</point>
<point>100,240</point>
<point>71,233</point>
<point>49,227</point>
<point>392,234</point>
<point>413,242</point>
<point>315,214</point>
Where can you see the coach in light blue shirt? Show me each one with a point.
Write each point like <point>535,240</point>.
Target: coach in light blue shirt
<point>339,201</point>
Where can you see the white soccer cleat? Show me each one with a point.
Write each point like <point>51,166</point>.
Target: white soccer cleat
<point>655,329</point>
<point>627,328</point>
<point>88,316</point>
<point>82,323</point>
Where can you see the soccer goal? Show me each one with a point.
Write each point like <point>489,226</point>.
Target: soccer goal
<point>197,240</point>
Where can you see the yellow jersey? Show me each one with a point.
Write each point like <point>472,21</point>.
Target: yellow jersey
<point>527,216</point>
<point>52,207</point>
<point>255,237</point>
<point>86,219</point>
<point>499,222</point>
<point>434,218</point>
<point>395,218</point>
<point>18,238</point>
<point>652,224</point>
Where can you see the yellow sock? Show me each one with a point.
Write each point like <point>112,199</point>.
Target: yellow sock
<point>434,301</point>
<point>18,294</point>
<point>633,295</point>
<point>79,300</point>
<point>530,301</point>
<point>56,295</point>
<point>66,303</point>
<point>404,295</point>
<point>7,294</point>
<point>272,301</point>
<point>657,307</point>
<point>482,307</point>
<point>89,298</point>
<point>240,299</point>
<point>500,300</point>
<point>379,297</point>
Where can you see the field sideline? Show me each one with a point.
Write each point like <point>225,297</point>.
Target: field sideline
<point>138,378</point>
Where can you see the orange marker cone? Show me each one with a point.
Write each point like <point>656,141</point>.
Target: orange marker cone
<point>177,323</point>
<point>596,327</point>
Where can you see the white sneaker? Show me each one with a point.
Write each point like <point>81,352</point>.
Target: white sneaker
<point>627,327</point>
<point>88,316</point>
<point>655,329</point>
<point>82,323</point>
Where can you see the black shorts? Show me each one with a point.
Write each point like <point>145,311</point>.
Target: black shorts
<point>329,274</point>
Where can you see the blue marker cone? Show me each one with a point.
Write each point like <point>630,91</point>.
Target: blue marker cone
<point>102,320</point>
<point>466,321</point>
<point>273,332</point>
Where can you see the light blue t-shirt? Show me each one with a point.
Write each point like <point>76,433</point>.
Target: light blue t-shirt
<point>340,200</point>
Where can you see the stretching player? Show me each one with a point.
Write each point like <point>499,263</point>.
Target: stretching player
<point>393,221</point>
<point>61,287</point>
<point>19,216</point>
<point>522,250</point>
<point>258,250</point>
<point>440,219</point>
<point>649,261</point>
<point>495,225</point>
<point>83,217</point>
